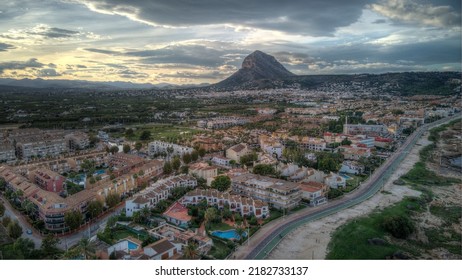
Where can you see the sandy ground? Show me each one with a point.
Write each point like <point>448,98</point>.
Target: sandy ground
<point>310,241</point>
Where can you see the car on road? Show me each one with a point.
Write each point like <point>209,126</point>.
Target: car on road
<point>29,231</point>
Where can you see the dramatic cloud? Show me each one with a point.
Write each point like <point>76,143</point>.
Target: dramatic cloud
<point>4,47</point>
<point>178,41</point>
<point>314,17</point>
<point>48,72</point>
<point>42,32</point>
<point>414,12</point>
<point>20,65</point>
<point>179,54</point>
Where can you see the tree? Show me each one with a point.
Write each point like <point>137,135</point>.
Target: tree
<point>49,247</point>
<point>2,184</point>
<point>145,135</point>
<point>187,158</point>
<point>2,210</point>
<point>345,142</point>
<point>221,183</point>
<point>226,213</point>
<point>25,247</point>
<point>194,155</point>
<point>112,221</point>
<point>114,149</point>
<point>176,163</point>
<point>202,152</point>
<point>210,215</point>
<point>264,169</point>
<point>398,226</point>
<point>191,251</point>
<point>73,219</point>
<point>14,230</point>
<point>129,133</point>
<point>86,248</point>
<point>95,208</point>
<point>184,169</point>
<point>168,167</point>
<point>88,166</point>
<point>138,146</point>
<point>28,206</point>
<point>248,159</point>
<point>6,221</point>
<point>240,231</point>
<point>112,200</point>
<point>126,148</point>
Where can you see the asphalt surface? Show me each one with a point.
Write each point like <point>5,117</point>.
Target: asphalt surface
<point>259,249</point>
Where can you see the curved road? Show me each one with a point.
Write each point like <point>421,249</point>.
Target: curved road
<point>270,235</point>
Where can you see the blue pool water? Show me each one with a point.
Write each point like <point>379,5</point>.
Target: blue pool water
<point>132,245</point>
<point>100,172</point>
<point>229,234</point>
<point>345,176</point>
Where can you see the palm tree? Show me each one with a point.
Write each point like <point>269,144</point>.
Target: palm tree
<point>240,232</point>
<point>86,248</point>
<point>191,251</point>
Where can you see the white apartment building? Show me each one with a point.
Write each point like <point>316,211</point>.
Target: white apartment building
<point>157,147</point>
<point>156,192</point>
<point>277,193</point>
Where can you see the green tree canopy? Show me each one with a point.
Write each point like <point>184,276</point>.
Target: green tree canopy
<point>126,148</point>
<point>14,230</point>
<point>73,219</point>
<point>145,135</point>
<point>176,163</point>
<point>112,200</point>
<point>221,183</point>
<point>95,208</point>
<point>168,167</point>
<point>138,146</point>
<point>264,169</point>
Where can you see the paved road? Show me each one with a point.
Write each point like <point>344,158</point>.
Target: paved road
<point>15,215</point>
<point>67,241</point>
<point>264,241</point>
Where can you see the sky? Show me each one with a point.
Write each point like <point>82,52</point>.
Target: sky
<point>205,41</point>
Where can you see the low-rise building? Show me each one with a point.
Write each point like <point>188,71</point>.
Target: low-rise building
<point>221,161</point>
<point>203,170</point>
<point>277,193</point>
<point>177,214</point>
<point>314,192</point>
<point>156,192</point>
<point>237,151</point>
<point>351,167</point>
<point>334,181</point>
<point>160,147</point>
<point>7,152</point>
<point>47,180</point>
<point>245,206</point>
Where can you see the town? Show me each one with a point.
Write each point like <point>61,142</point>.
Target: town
<point>192,184</point>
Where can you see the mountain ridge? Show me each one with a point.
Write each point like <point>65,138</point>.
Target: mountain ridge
<point>256,66</point>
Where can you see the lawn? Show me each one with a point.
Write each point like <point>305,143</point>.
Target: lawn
<point>220,250</point>
<point>219,226</point>
<point>164,132</point>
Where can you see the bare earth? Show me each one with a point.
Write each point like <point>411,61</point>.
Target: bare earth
<point>310,241</point>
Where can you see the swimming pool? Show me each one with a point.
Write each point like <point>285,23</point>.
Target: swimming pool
<point>229,234</point>
<point>100,172</point>
<point>345,176</point>
<point>132,245</point>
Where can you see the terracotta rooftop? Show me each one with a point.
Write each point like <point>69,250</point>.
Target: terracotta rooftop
<point>178,212</point>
